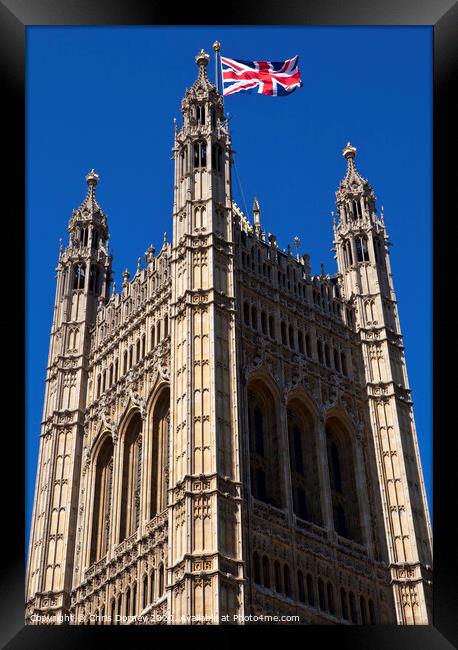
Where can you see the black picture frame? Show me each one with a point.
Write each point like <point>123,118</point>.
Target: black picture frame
<point>15,16</point>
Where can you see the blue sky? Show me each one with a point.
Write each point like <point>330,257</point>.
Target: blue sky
<point>105,98</point>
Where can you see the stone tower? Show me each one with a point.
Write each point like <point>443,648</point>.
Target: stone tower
<point>205,553</point>
<point>83,278</point>
<point>228,436</point>
<point>362,247</point>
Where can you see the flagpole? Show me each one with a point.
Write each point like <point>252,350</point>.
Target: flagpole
<point>217,48</point>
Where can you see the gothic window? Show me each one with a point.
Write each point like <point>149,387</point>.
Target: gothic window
<point>137,355</point>
<point>143,345</point>
<point>363,610</point>
<point>256,569</point>
<point>308,346</point>
<point>372,617</point>
<point>264,323</point>
<point>145,591</point>
<point>343,482</point>
<point>277,577</point>
<point>353,612</point>
<point>300,341</point>
<point>158,458</point>
<point>349,252</point>
<point>104,376</point>
<point>266,572</point>
<point>152,584</point>
<point>343,363</point>
<point>303,463</point>
<point>254,317</point>
<point>264,446</point>
<point>125,362</point>
<point>217,158</point>
<point>134,599</point>
<point>101,517</point>
<point>131,478</point>
<point>321,596</point>
<point>131,356</point>
<point>327,355</point>
<point>158,339</point>
<point>116,371</point>
<point>286,581</point>
<point>310,591</point>
<point>330,593</point>
<point>161,580</point>
<point>271,327</point>
<point>99,385</point>
<point>213,118</point>
<point>94,276</point>
<point>153,342</point>
<point>300,586</point>
<point>166,326</point>
<point>200,114</point>
<point>362,252</point>
<point>64,282</point>
<point>79,276</point>
<point>356,205</point>
<point>95,239</point>
<point>344,604</point>
<point>246,313</point>
<point>113,611</point>
<point>200,154</point>
<point>183,161</point>
<point>291,336</point>
<point>319,345</point>
<point>283,332</point>
<point>127,602</point>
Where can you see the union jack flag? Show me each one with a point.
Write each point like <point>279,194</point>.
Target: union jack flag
<point>265,77</point>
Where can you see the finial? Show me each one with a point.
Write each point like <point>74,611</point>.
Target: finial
<point>349,151</point>
<point>217,46</point>
<point>202,60</point>
<point>149,255</point>
<point>296,244</point>
<point>113,288</point>
<point>92,178</point>
<point>322,270</point>
<point>256,216</point>
<point>60,246</point>
<point>165,239</point>
<point>139,263</point>
<point>126,276</point>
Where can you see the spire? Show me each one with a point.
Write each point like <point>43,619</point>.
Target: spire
<point>256,216</point>
<point>202,82</point>
<point>90,203</point>
<point>352,179</point>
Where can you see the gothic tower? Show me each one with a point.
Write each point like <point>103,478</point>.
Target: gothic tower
<point>83,278</point>
<point>205,554</point>
<point>362,248</point>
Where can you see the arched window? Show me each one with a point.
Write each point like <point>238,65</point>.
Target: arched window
<point>246,313</point>
<point>372,617</point>
<point>305,484</point>
<point>266,572</point>
<point>363,610</point>
<point>131,478</point>
<point>217,158</point>
<point>271,327</point>
<point>264,323</point>
<point>200,154</point>
<point>158,458</point>
<point>319,346</point>
<point>291,337</point>
<point>127,602</point>
<point>330,593</point>
<point>336,360</point>
<point>300,586</point>
<point>113,612</point>
<point>321,596</point>
<point>300,341</point>
<point>200,114</point>
<point>134,598</point>
<point>137,355</point>
<point>125,362</point>
<point>286,581</point>
<point>152,585</point>
<point>145,591</point>
<point>103,484</point>
<point>343,363</point>
<point>353,612</point>
<point>265,460</point>
<point>254,317</point>
<point>283,332</point>
<point>161,580</point>
<point>343,482</point>
<point>153,341</point>
<point>79,276</point>
<point>277,577</point>
<point>166,326</point>
<point>344,604</point>
<point>310,591</point>
<point>143,345</point>
<point>256,569</point>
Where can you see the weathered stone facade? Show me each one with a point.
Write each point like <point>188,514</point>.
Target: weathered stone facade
<point>229,436</point>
